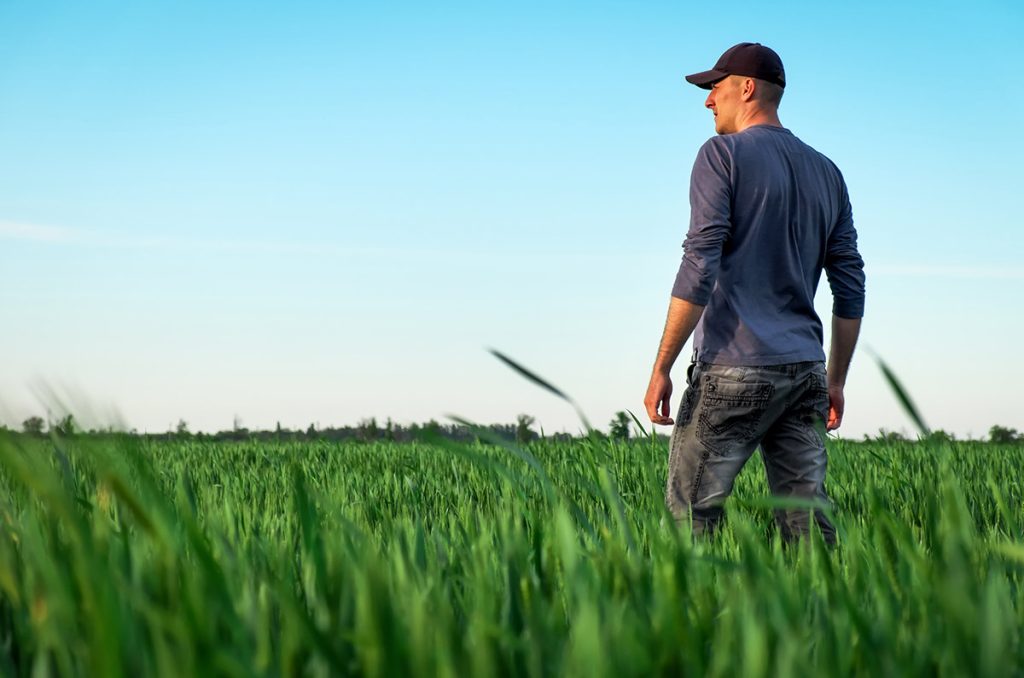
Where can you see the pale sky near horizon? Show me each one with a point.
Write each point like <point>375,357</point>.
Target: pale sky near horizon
<point>323,212</point>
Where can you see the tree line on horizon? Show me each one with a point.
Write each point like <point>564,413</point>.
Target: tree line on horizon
<point>523,430</point>
<point>621,427</point>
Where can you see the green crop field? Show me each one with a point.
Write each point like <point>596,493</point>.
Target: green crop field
<point>122,556</point>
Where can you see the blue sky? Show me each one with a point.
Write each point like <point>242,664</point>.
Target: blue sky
<point>321,212</point>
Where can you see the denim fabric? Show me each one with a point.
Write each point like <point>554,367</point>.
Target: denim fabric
<point>726,413</point>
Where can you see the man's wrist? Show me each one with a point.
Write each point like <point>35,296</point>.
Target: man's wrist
<point>664,361</point>
<point>663,369</point>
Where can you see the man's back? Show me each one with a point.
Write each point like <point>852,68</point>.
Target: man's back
<point>768,213</point>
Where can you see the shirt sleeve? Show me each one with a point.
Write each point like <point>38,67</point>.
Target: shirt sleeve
<point>844,265</point>
<point>710,224</point>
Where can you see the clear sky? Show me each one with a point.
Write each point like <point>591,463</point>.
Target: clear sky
<point>322,212</point>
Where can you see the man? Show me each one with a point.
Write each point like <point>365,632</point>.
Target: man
<point>767,214</point>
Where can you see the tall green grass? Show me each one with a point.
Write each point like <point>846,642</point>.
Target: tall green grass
<point>120,556</point>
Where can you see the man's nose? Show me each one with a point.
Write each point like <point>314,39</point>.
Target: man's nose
<point>710,101</point>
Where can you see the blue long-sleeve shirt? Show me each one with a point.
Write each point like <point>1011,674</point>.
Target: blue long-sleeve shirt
<point>767,214</point>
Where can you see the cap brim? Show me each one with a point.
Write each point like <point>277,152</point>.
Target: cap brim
<point>705,79</point>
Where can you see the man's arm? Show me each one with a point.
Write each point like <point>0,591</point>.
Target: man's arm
<point>710,223</point>
<point>683,317</point>
<point>844,339</point>
<point>845,270</point>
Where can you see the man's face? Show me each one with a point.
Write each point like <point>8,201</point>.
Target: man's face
<point>724,102</point>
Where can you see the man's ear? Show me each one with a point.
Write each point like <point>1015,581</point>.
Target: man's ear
<point>748,88</point>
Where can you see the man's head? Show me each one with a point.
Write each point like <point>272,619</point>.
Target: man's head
<point>739,101</point>
<point>746,87</point>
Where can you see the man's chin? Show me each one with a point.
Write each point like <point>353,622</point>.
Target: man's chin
<point>722,128</point>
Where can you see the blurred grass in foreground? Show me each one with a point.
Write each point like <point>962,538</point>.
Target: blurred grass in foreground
<point>120,556</point>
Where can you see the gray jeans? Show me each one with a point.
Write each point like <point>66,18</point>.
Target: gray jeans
<point>725,414</point>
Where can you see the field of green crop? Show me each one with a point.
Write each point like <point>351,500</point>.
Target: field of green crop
<point>121,556</point>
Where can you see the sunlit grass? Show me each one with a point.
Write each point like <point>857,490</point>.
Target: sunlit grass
<point>120,556</point>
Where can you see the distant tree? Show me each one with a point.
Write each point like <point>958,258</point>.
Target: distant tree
<point>181,429</point>
<point>311,431</point>
<point>524,428</point>
<point>368,429</point>
<point>66,426</point>
<point>888,437</point>
<point>33,426</point>
<point>1003,435</point>
<point>238,432</point>
<point>939,436</point>
<point>619,426</point>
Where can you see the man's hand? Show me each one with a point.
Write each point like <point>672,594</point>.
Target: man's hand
<point>682,318</point>
<point>844,338</point>
<point>836,403</point>
<point>659,391</point>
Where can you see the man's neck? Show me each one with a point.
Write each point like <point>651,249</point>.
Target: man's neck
<point>759,117</point>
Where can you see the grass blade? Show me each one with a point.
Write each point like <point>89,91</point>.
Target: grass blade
<point>543,383</point>
<point>902,396</point>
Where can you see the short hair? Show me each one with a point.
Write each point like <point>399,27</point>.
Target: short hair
<point>770,93</point>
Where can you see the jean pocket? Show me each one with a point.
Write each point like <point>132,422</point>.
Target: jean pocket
<point>730,411</point>
<point>691,373</point>
<point>816,398</point>
<point>686,406</point>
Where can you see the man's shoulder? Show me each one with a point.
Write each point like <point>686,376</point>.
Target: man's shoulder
<point>747,148</point>
<point>751,140</point>
<point>719,144</point>
<point>714,155</point>
<point>746,144</point>
<point>813,152</point>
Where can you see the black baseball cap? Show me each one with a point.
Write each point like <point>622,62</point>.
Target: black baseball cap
<point>747,58</point>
